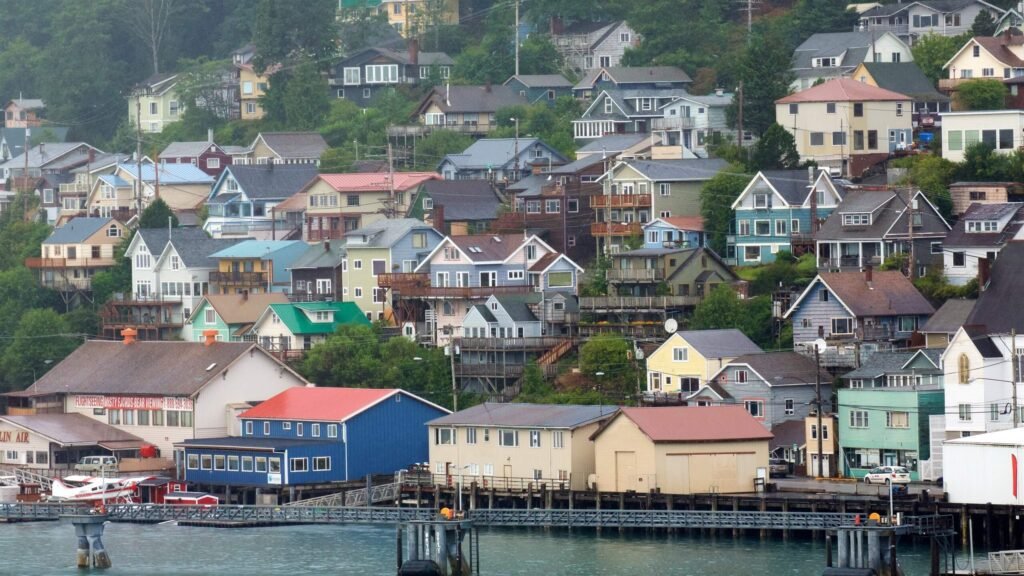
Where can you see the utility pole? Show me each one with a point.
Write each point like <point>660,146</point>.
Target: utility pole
<point>910,234</point>
<point>156,177</point>
<point>391,183</point>
<point>138,152</point>
<point>451,355</point>
<point>1015,363</point>
<point>817,392</point>
<point>517,37</point>
<point>739,115</point>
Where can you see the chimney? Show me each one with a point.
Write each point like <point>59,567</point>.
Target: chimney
<point>209,337</point>
<point>129,335</point>
<point>447,94</point>
<point>719,92</point>
<point>327,245</point>
<point>209,135</point>
<point>867,274</point>
<point>92,155</point>
<point>984,273</point>
<point>437,216</point>
<point>414,53</point>
<point>245,295</point>
<point>555,26</point>
<point>487,87</point>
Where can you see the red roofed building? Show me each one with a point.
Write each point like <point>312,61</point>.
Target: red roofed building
<point>681,450</point>
<point>846,125</point>
<point>340,203</point>
<point>306,436</point>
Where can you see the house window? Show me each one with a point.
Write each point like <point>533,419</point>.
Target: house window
<point>572,205</point>
<point>470,435</point>
<point>193,462</point>
<point>858,109</point>
<point>743,228</point>
<point>680,354</point>
<point>856,219</point>
<point>608,105</point>
<point>965,412</point>
<point>206,462</point>
<point>873,139</point>
<point>248,428</point>
<point>382,73</point>
<point>790,405</point>
<point>314,430</point>
<point>332,430</point>
<point>755,407</point>
<point>299,464</point>
<point>508,438</point>
<point>321,463</point>
<point>210,316</point>
<point>897,420</point>
<point>741,376</point>
<point>858,139</point>
<point>752,253</point>
<point>959,259</point>
<point>858,419</point>
<point>261,464</point>
<point>553,206</point>
<point>534,438</point>
<point>780,227</point>
<point>842,326</point>
<point>794,109</point>
<point>899,109</point>
<point>762,228</point>
<point>298,428</point>
<point>153,109</point>
<point>817,138</point>
<point>830,108</point>
<point>247,87</point>
<point>762,201</point>
<point>218,461</point>
<point>443,436</point>
<point>516,274</point>
<point>664,189</point>
<point>964,369</point>
<point>266,428</point>
<point>794,226</point>
<point>908,323</point>
<point>839,138</point>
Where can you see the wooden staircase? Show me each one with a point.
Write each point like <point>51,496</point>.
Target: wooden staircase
<point>547,360</point>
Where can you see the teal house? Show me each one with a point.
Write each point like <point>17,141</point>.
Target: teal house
<point>884,411</point>
<point>779,210</point>
<point>230,315</point>
<point>300,325</point>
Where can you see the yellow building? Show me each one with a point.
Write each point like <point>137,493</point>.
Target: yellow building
<point>157,102</point>
<point>828,445</point>
<point>255,266</point>
<point>251,85</point>
<point>412,17</point>
<point>510,445</point>
<point>984,58</point>
<point>340,203</point>
<point>77,250</point>
<point>681,450</point>
<point>687,361</point>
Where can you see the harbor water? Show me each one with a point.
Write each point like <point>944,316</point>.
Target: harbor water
<point>48,548</point>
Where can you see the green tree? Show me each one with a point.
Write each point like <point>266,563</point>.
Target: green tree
<point>40,340</point>
<point>283,31</point>
<point>932,51</point>
<point>724,309</point>
<point>535,388</point>
<point>984,24</point>
<point>19,239</point>
<point>606,360</point>
<point>432,149</point>
<point>932,175</point>
<point>117,278</point>
<point>157,215</point>
<point>764,69</point>
<point>983,164</point>
<point>305,97</point>
<point>776,150</point>
<point>537,55</point>
<point>981,95</point>
<point>597,277</point>
<point>808,17</point>
<point>716,198</point>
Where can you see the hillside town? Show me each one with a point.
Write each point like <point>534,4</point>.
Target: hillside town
<point>558,254</point>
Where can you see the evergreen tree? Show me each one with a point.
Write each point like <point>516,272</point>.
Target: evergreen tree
<point>776,150</point>
<point>716,198</point>
<point>765,71</point>
<point>305,98</point>
<point>156,215</point>
<point>285,31</point>
<point>984,24</point>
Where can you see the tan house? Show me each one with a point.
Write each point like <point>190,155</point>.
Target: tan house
<point>828,445</point>
<point>23,113</point>
<point>157,102</point>
<point>846,125</point>
<point>183,187</point>
<point>340,203</point>
<point>966,193</point>
<point>512,444</point>
<point>681,450</point>
<point>251,85</point>
<point>466,109</point>
<point>76,251</point>
<point>284,148</point>
<point>985,57</point>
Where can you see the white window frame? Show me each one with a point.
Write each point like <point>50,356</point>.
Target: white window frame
<point>352,76</point>
<point>680,354</point>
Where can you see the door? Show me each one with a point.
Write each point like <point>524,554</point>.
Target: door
<point>323,285</point>
<point>889,459</point>
<point>625,471</point>
<point>488,279</point>
<point>677,472</point>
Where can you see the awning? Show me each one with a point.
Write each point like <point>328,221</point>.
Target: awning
<point>114,445</point>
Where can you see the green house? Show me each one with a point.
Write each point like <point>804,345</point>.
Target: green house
<point>231,315</point>
<point>300,325</point>
<point>884,411</point>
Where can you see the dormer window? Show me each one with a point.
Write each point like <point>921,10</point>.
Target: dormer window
<point>824,62</point>
<point>982,226</point>
<point>856,219</point>
<point>322,316</point>
<point>762,201</point>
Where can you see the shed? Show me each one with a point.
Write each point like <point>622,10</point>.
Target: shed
<point>680,450</point>
<point>191,499</point>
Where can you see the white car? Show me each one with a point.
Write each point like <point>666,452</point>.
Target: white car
<point>887,475</point>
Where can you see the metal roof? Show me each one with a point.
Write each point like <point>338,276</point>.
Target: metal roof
<point>463,199</point>
<point>193,245</point>
<point>375,181</point>
<point>497,153</point>
<point>950,316</point>
<point>186,149</point>
<point>905,78</point>
<point>843,90</point>
<point>324,404</point>
<point>271,181</point>
<point>71,429</point>
<point>994,309</point>
<point>517,415</point>
<point>320,255</point>
<point>694,423</point>
<point>243,308</point>
<point>959,236</point>
<point>385,233</point>
<point>295,316</point>
<point>78,230</point>
<point>691,169</point>
<point>722,343</point>
<point>783,368</point>
<point>473,98</point>
<point>298,145</point>
<point>542,80</point>
<point>169,173</point>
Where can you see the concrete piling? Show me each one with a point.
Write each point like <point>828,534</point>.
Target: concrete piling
<point>89,530</point>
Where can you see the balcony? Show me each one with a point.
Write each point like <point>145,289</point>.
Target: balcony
<point>415,285</point>
<point>46,262</point>
<point>246,278</point>
<point>897,29</point>
<point>56,263</point>
<point>611,303</point>
<point>317,235</point>
<point>497,344</point>
<point>602,229</point>
<point>635,275</point>
<point>621,201</point>
<point>74,189</point>
<point>495,370</point>
<point>674,123</point>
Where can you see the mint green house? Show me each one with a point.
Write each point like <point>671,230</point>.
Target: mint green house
<point>231,315</point>
<point>298,326</point>
<point>884,408</point>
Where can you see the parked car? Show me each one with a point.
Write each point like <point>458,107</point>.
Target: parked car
<point>888,474</point>
<point>97,464</point>
<point>778,468</point>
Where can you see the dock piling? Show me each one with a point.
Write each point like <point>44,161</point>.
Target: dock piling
<point>89,530</point>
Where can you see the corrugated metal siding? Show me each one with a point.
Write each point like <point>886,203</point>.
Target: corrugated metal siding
<point>226,477</point>
<point>389,437</point>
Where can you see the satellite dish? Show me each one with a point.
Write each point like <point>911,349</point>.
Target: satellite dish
<point>820,345</point>
<point>671,325</point>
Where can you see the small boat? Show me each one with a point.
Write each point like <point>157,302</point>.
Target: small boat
<point>92,489</point>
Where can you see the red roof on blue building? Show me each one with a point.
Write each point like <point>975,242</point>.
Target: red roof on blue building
<point>324,404</point>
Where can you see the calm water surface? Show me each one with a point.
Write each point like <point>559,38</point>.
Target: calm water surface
<point>46,548</point>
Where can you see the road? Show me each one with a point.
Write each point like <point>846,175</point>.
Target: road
<point>830,487</point>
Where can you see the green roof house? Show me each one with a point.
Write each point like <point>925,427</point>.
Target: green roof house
<point>298,326</point>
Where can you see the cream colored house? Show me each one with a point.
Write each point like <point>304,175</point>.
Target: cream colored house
<point>181,186</point>
<point>681,450</point>
<point>413,17</point>
<point>1002,129</point>
<point>340,203</point>
<point>828,445</point>
<point>157,102</point>
<point>687,361</point>
<point>77,250</point>
<point>512,444</point>
<point>984,57</point>
<point>846,125</point>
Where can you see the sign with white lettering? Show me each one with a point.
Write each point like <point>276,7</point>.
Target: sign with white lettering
<point>273,478</point>
<point>134,402</point>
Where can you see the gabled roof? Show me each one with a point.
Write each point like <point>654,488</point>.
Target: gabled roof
<point>941,6</point>
<point>851,48</point>
<point>690,170</point>
<point>385,233</point>
<point>255,248</point>
<point>541,81</point>
<point>300,145</point>
<point>496,153</point>
<point>692,423</point>
<point>270,181</point>
<point>489,247</point>
<point>843,90</point>
<point>880,364</point>
<point>620,75</point>
<point>464,199</point>
<point>949,317</point>
<point>959,236</point>
<point>995,308</point>
<point>402,57</point>
<point>169,173</point>
<point>612,144</point>
<point>889,293</point>
<point>320,255</point>
<point>577,166</point>
<point>70,429</point>
<point>164,368</point>
<point>905,78</point>
<point>324,404</point>
<point>888,216</point>
<point>294,317</point>
<point>193,245</point>
<point>518,415</point>
<point>458,99</point>
<point>373,181</point>
<point>47,153</point>
<point>722,343</point>
<point>78,230</point>
<point>516,307</point>
<point>26,103</point>
<point>241,308</point>
<point>485,313</point>
<point>782,368</point>
<point>187,149</point>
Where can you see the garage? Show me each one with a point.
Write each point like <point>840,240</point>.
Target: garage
<point>680,450</point>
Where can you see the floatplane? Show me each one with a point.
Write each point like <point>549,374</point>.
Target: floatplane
<point>93,489</point>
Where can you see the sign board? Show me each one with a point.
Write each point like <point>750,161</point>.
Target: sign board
<point>18,436</point>
<point>273,478</point>
<point>134,402</point>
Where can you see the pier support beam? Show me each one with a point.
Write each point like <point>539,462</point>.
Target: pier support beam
<point>763,507</point>
<point>89,530</point>
<point>785,509</point>
<point>735,508</point>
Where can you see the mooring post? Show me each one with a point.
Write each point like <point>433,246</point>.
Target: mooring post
<point>622,506</point>
<point>764,507</point>
<point>736,514</point>
<point>934,556</point>
<point>89,530</point>
<point>964,524</point>
<point>828,550</point>
<point>785,510</point>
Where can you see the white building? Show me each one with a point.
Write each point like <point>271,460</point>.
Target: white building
<point>979,382</point>
<point>998,455</point>
<point>980,234</point>
<point>1001,129</point>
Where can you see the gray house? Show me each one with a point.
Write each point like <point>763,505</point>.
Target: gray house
<point>775,387</point>
<point>500,160</point>
<point>545,88</point>
<point>829,55</point>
